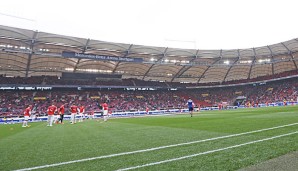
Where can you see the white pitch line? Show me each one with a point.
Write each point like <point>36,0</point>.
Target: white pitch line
<point>153,149</point>
<point>206,152</point>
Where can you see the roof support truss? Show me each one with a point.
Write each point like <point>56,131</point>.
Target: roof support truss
<point>291,54</point>
<point>232,66</point>
<point>160,59</point>
<point>30,54</point>
<point>83,51</point>
<point>252,64</point>
<point>272,59</point>
<point>185,68</point>
<point>125,55</point>
<point>220,57</point>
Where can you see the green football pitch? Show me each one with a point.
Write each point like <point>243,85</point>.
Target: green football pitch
<point>211,140</point>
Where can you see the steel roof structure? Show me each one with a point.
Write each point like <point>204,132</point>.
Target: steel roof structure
<point>28,53</point>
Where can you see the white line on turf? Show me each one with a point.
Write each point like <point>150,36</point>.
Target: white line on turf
<point>206,152</point>
<point>153,149</point>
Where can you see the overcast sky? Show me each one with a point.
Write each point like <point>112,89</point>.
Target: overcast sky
<point>194,24</point>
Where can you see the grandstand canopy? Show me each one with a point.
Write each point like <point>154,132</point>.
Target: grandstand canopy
<point>29,53</point>
<point>191,24</point>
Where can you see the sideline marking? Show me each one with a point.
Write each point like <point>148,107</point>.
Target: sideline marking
<point>152,149</point>
<point>206,152</point>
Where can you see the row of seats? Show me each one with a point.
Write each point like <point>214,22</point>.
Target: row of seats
<point>54,80</point>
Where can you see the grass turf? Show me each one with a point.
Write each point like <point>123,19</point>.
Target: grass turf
<point>40,145</point>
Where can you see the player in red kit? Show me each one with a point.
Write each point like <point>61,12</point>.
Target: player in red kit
<point>27,114</point>
<point>61,113</point>
<point>91,115</point>
<point>73,110</point>
<point>81,113</point>
<point>105,109</point>
<point>51,111</point>
<point>285,102</point>
<point>219,106</point>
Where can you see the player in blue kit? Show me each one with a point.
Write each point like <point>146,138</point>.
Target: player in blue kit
<point>190,105</point>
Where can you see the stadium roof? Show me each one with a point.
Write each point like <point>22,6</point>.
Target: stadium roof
<point>29,53</point>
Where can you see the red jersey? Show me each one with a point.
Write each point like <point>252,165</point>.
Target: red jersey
<point>74,109</point>
<point>105,106</point>
<point>27,111</point>
<point>51,110</point>
<point>219,106</point>
<point>82,109</point>
<point>61,110</point>
<point>253,104</point>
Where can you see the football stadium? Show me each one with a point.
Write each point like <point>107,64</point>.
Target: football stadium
<point>74,103</point>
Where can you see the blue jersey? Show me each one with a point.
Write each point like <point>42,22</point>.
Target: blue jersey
<point>189,103</point>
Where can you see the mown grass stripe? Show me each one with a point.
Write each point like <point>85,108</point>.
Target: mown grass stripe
<point>153,149</point>
<point>206,152</point>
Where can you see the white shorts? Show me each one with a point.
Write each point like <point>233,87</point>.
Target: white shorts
<point>105,112</point>
<point>26,118</point>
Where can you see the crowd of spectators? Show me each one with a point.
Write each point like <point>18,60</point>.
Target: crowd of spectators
<point>13,102</point>
<point>21,80</point>
<point>269,92</point>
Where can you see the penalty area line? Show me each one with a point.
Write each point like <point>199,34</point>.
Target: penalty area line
<point>206,152</point>
<point>154,148</point>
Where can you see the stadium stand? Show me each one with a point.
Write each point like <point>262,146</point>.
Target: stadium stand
<point>13,102</point>
<point>41,68</point>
